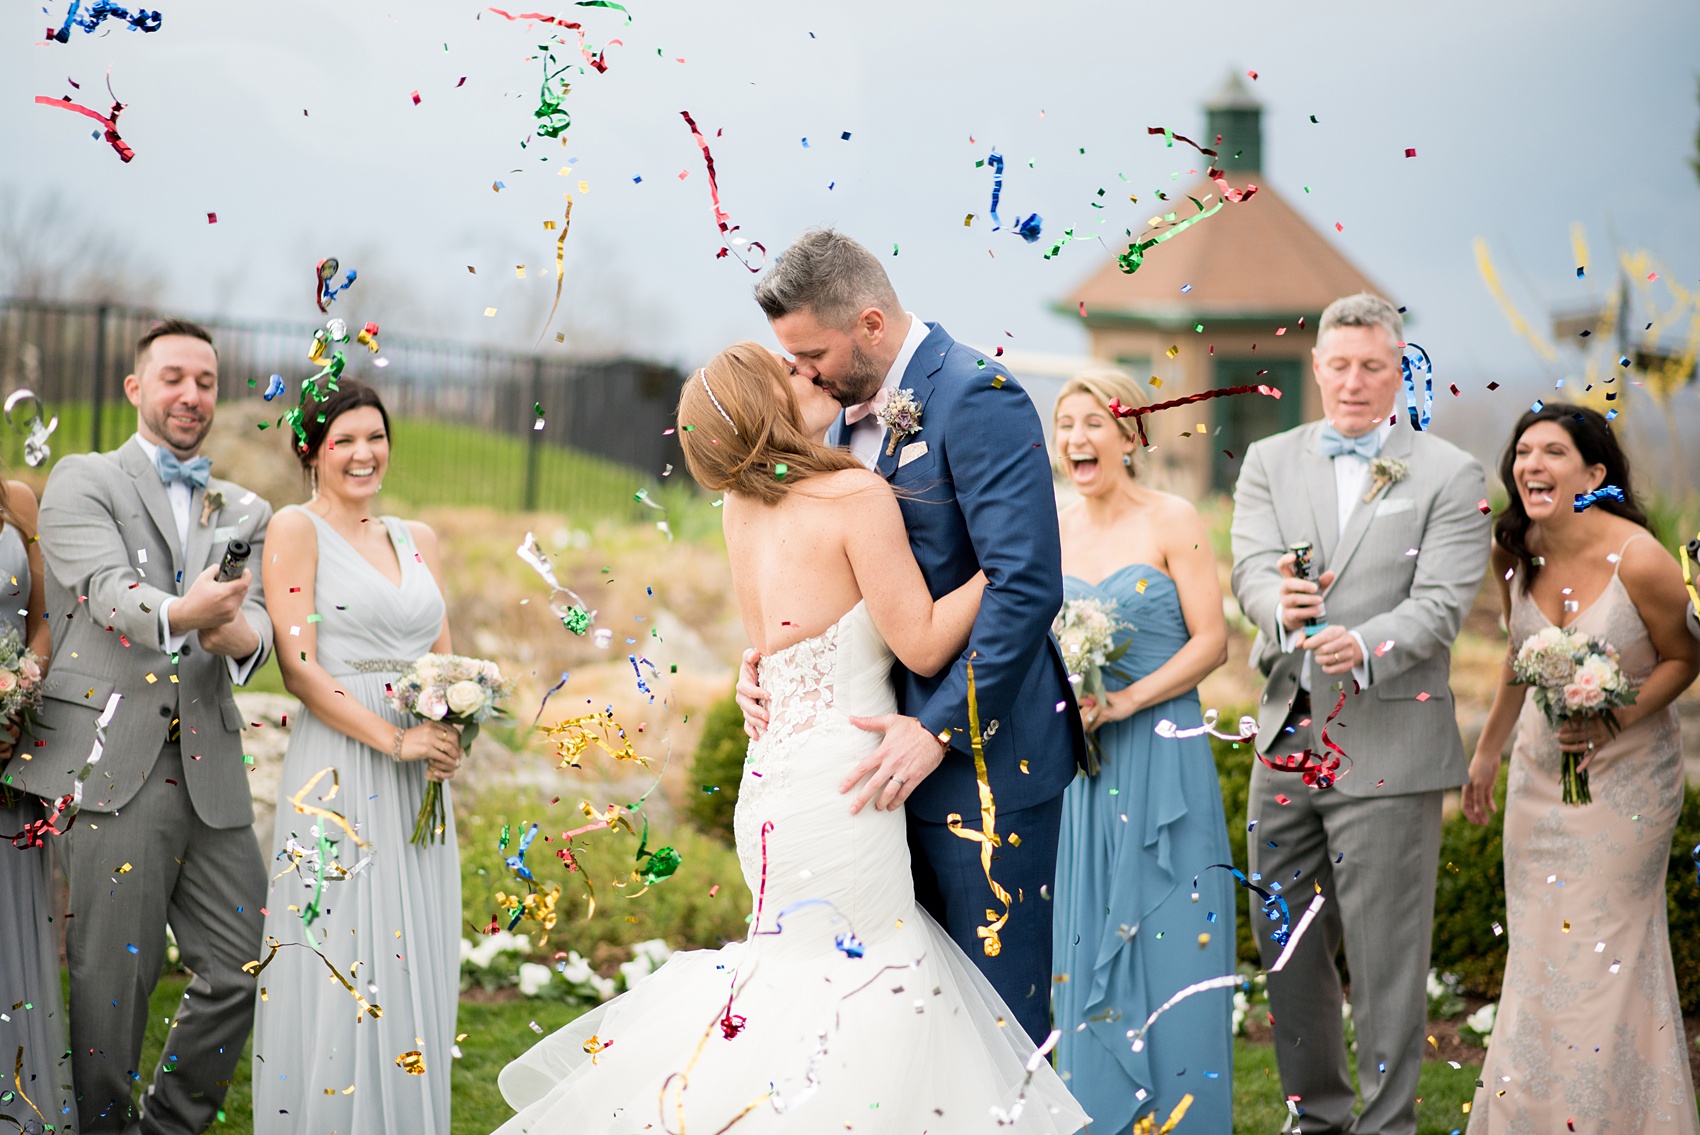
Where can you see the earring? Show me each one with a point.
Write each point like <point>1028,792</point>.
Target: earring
<point>1127,460</point>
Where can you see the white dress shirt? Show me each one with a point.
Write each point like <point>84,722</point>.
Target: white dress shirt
<point>181,496</point>
<point>867,437</point>
<point>1351,473</point>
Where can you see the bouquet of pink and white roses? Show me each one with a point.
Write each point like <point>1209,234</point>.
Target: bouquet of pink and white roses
<point>1573,676</point>
<point>458,691</point>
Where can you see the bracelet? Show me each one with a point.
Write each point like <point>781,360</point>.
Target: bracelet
<point>395,747</point>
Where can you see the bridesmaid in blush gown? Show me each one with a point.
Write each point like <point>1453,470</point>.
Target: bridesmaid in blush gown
<point>32,1017</point>
<point>1589,1033</point>
<point>1131,929</point>
<point>356,602</point>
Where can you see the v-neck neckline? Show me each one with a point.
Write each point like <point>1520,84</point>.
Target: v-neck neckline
<point>401,566</point>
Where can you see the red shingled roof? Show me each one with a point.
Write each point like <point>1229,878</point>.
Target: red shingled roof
<point>1254,258</point>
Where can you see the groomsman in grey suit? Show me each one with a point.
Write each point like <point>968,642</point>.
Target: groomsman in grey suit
<point>1397,526</point>
<point>132,541</point>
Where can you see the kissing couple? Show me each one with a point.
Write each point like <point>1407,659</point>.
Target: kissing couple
<point>892,531</point>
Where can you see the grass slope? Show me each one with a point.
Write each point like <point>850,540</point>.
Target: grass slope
<point>498,1031</point>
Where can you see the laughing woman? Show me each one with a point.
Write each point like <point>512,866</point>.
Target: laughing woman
<point>356,600</point>
<point>1589,1028</point>
<point>1129,929</point>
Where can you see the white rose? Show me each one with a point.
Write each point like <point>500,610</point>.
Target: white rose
<point>465,697</point>
<point>533,979</point>
<point>1482,1019</point>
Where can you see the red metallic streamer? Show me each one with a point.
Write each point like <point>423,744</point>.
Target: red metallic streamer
<point>721,217</point>
<point>35,832</point>
<point>1212,173</point>
<point>109,120</point>
<point>1319,770</point>
<point>1137,413</point>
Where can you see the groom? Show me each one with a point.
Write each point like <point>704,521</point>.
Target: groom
<point>1396,517</point>
<point>132,541</point>
<point>967,458</point>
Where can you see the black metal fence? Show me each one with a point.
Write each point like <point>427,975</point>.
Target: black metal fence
<point>471,412</point>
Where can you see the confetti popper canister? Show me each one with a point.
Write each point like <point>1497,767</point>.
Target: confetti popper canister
<point>1302,567</point>
<point>235,559</point>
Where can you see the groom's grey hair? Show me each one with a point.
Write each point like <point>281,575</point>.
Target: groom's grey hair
<point>1363,310</point>
<point>828,274</point>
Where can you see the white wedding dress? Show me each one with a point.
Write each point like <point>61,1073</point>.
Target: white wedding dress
<point>906,1038</point>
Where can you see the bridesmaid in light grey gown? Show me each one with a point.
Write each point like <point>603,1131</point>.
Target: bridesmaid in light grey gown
<point>357,601</point>
<point>32,1016</point>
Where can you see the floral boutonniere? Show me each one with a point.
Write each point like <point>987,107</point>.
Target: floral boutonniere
<point>1385,471</point>
<point>902,417</point>
<point>210,504</point>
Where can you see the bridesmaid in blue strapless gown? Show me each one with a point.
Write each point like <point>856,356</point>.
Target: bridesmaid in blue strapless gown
<point>1130,927</point>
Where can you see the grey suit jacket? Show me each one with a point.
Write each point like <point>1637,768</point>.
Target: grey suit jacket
<point>109,540</point>
<point>1408,565</point>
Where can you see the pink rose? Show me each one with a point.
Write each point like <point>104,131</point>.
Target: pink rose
<point>1586,679</point>
<point>31,671</point>
<point>431,704</point>
<point>1593,698</point>
<point>8,681</point>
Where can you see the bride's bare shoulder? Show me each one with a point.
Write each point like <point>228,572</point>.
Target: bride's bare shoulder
<point>844,485</point>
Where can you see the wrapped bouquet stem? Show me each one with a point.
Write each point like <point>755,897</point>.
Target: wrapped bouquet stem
<point>1086,631</point>
<point>456,691</point>
<point>1574,677</point>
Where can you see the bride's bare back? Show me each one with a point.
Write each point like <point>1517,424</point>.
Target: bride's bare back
<point>800,563</point>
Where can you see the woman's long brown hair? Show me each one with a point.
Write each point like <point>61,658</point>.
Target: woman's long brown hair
<point>741,431</point>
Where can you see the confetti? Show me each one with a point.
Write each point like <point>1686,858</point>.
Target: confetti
<point>721,218</point>
<point>987,837</point>
<point>1408,367</point>
<point>109,120</point>
<point>1595,496</point>
<point>141,20</point>
<point>1137,413</point>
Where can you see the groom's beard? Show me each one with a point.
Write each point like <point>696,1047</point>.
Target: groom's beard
<point>860,383</point>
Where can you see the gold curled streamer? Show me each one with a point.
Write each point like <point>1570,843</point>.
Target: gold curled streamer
<point>574,735</point>
<point>1148,1124</point>
<point>311,810</point>
<point>987,837</point>
<point>1688,573</point>
<point>18,1082</point>
<point>1490,277</point>
<point>560,258</point>
<point>258,966</point>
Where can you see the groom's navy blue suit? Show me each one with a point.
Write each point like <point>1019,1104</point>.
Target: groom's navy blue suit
<point>974,485</point>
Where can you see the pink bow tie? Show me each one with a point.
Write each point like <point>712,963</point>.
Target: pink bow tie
<point>874,405</point>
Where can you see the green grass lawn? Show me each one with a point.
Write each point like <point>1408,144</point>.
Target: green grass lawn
<point>498,1031</point>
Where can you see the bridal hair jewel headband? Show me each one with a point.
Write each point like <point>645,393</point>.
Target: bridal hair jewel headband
<point>702,373</point>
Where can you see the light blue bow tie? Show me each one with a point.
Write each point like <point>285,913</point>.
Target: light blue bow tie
<point>193,472</point>
<point>1333,443</point>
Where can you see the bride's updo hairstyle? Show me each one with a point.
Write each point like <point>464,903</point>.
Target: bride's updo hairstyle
<point>741,432</point>
<point>1103,385</point>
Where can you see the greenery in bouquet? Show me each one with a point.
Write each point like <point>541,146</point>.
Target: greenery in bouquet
<point>1574,676</point>
<point>455,690</point>
<point>1086,632</point>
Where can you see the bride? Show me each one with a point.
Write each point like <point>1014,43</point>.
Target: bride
<point>847,1008</point>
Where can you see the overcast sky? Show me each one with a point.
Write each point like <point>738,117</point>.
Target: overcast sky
<point>1525,117</point>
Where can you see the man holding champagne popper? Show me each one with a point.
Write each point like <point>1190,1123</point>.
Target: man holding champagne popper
<point>139,721</point>
<point>1356,651</point>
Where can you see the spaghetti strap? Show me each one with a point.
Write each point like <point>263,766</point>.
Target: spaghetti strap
<point>1617,561</point>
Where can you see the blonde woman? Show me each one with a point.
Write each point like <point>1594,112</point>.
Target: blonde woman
<point>1129,928</point>
<point>848,1006</point>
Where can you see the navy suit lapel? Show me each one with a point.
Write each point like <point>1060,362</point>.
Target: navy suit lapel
<point>917,379</point>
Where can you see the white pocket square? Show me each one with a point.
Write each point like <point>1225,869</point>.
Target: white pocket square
<point>911,452</point>
<point>1397,504</point>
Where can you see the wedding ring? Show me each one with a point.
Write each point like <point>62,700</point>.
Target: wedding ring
<point>1590,744</point>
<point>897,780</point>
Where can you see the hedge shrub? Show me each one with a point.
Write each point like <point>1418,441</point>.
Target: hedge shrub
<point>717,767</point>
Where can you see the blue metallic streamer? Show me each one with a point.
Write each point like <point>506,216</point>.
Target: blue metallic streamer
<point>1419,421</point>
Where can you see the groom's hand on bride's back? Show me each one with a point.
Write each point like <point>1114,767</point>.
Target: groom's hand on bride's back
<point>752,699</point>
<point>906,756</point>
